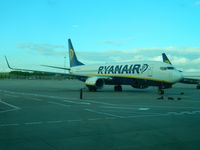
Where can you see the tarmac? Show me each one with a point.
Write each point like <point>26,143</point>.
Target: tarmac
<point>49,114</point>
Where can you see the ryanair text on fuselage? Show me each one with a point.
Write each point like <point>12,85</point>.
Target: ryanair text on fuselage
<point>123,69</point>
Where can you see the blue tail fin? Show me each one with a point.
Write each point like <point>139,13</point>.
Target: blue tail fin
<point>72,56</point>
<point>165,58</point>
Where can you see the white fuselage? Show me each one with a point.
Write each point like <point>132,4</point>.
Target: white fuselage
<point>147,70</point>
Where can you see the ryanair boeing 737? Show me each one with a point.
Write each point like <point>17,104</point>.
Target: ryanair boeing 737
<point>139,74</point>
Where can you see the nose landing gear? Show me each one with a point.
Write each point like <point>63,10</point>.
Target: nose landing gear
<point>161,91</point>
<point>198,86</point>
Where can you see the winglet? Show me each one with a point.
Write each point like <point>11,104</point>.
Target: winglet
<point>8,63</point>
<point>165,58</point>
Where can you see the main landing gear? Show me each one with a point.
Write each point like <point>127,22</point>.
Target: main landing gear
<point>118,88</point>
<point>92,88</point>
<point>161,91</point>
<point>198,86</point>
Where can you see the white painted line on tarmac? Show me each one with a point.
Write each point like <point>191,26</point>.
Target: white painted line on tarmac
<point>85,103</point>
<point>165,114</point>
<point>76,120</point>
<point>11,95</point>
<point>60,104</point>
<point>102,113</point>
<point>97,102</point>
<point>110,118</point>
<point>74,102</point>
<point>33,123</point>
<point>94,119</point>
<point>51,122</point>
<point>10,105</point>
<point>118,106</point>
<point>127,108</point>
<point>148,115</point>
<point>56,121</point>
<point>143,108</point>
<point>35,99</point>
<point>6,125</point>
<point>69,100</point>
<point>107,118</point>
<point>9,110</point>
<point>129,112</point>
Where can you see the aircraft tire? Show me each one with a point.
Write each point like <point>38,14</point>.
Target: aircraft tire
<point>118,88</point>
<point>92,89</point>
<point>161,91</point>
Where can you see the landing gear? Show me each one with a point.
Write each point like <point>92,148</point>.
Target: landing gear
<point>198,86</point>
<point>161,91</point>
<point>92,88</point>
<point>118,88</point>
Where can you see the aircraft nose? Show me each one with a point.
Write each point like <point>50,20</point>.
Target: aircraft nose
<point>177,76</point>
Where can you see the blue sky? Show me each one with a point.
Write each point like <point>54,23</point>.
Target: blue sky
<point>35,32</point>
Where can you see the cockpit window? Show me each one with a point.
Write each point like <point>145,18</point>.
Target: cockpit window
<point>170,68</point>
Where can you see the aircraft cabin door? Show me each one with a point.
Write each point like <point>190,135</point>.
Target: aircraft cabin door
<point>150,71</point>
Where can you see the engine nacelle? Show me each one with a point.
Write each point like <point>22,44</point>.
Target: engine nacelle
<point>140,86</point>
<point>95,82</point>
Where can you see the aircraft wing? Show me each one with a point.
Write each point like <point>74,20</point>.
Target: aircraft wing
<point>191,77</point>
<point>19,69</point>
<point>56,67</point>
<point>38,71</point>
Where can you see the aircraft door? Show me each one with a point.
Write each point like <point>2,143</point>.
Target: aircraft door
<point>150,71</point>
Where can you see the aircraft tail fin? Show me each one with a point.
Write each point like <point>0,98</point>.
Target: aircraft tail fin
<point>165,58</point>
<point>72,56</point>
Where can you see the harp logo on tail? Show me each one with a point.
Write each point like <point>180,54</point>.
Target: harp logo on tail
<point>71,53</point>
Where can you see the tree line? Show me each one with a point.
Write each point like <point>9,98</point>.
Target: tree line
<point>31,75</point>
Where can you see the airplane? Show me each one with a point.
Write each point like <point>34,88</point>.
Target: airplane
<point>188,77</point>
<point>139,74</point>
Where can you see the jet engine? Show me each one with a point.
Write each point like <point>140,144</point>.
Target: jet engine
<point>94,83</point>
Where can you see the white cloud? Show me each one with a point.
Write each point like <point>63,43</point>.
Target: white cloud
<point>157,58</point>
<point>196,61</point>
<point>180,57</point>
<point>44,49</point>
<point>180,60</point>
<point>192,70</point>
<point>171,49</point>
<point>118,42</point>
